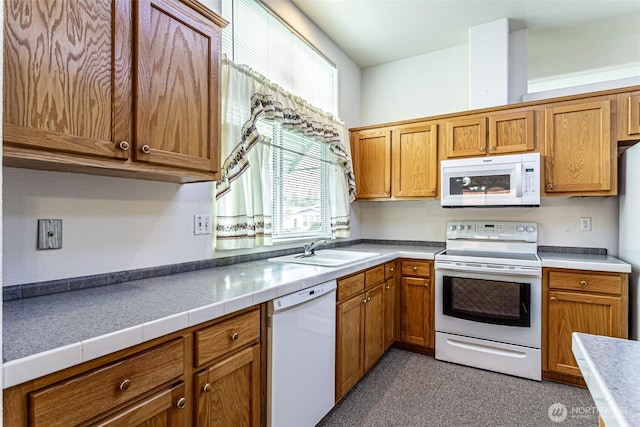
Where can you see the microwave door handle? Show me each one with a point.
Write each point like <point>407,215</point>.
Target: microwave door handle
<point>519,180</point>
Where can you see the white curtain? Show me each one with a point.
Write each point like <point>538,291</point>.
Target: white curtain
<point>243,195</point>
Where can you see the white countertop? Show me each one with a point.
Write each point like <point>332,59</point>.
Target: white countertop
<point>45,334</point>
<point>611,369</point>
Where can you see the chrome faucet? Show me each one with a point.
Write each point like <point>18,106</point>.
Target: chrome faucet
<point>310,248</point>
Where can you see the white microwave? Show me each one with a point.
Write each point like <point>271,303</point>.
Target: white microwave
<point>512,180</point>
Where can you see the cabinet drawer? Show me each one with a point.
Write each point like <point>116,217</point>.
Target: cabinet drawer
<point>79,399</point>
<point>227,336</point>
<point>373,276</point>
<point>603,283</point>
<point>350,285</point>
<point>416,268</point>
<point>389,270</point>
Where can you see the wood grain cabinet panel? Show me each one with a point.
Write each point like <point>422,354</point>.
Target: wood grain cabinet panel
<point>578,149</point>
<point>371,155</point>
<point>114,88</point>
<point>511,132</point>
<point>628,114</point>
<point>177,90</point>
<point>417,313</point>
<point>167,408</point>
<point>374,326</point>
<point>579,301</point>
<point>67,76</point>
<point>228,393</point>
<point>466,137</point>
<point>79,399</point>
<point>414,153</point>
<point>350,344</point>
<point>390,301</point>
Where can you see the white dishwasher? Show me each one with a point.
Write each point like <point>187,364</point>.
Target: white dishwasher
<point>302,348</point>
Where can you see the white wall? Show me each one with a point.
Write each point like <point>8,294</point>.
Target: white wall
<point>113,224</point>
<point>558,220</point>
<point>425,85</point>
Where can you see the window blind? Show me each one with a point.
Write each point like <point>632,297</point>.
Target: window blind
<point>256,38</point>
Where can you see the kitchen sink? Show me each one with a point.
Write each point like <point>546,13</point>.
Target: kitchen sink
<point>326,258</point>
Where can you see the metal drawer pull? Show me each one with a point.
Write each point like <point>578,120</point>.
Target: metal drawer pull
<point>146,149</point>
<point>388,287</point>
<point>583,282</point>
<point>207,388</point>
<point>368,299</point>
<point>549,186</point>
<point>181,403</point>
<point>125,384</point>
<point>124,145</point>
<point>364,301</point>
<point>554,299</point>
<point>415,268</point>
<point>235,336</point>
<point>482,149</point>
<point>426,285</point>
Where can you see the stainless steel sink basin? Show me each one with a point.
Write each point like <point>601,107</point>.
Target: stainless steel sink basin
<point>326,258</point>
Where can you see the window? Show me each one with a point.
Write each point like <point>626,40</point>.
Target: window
<point>299,179</point>
<point>299,165</point>
<point>255,37</point>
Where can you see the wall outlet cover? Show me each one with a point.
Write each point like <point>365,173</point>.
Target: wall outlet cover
<point>202,224</point>
<point>49,233</point>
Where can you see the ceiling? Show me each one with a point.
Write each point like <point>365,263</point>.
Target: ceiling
<point>374,32</point>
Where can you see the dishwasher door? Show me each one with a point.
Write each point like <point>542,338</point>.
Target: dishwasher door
<point>301,363</point>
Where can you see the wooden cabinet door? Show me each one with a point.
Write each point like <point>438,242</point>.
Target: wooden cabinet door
<point>570,312</point>
<point>371,153</point>
<point>167,408</point>
<point>350,344</point>
<point>390,300</point>
<point>177,87</point>
<point>628,116</point>
<point>414,151</point>
<point>374,326</point>
<point>578,148</point>
<point>416,327</point>
<point>228,393</point>
<point>67,76</point>
<point>466,137</point>
<point>511,132</point>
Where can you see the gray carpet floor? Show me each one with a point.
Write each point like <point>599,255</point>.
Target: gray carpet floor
<point>408,389</point>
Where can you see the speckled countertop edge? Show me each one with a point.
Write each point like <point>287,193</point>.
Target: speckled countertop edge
<point>45,334</point>
<point>611,369</point>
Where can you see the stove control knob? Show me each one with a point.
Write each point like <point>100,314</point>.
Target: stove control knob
<point>531,229</point>
<point>461,227</point>
<point>520,229</point>
<point>453,227</point>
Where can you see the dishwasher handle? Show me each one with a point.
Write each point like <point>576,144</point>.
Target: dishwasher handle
<point>303,296</point>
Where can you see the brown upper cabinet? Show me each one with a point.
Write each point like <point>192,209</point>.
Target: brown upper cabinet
<point>113,88</point>
<point>629,116</point>
<point>579,149</point>
<point>500,133</point>
<point>397,162</point>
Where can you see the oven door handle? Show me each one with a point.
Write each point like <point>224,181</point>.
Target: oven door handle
<point>489,268</point>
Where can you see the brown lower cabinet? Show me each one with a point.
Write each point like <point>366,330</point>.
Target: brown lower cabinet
<point>579,301</point>
<point>365,323</point>
<point>417,303</point>
<point>208,375</point>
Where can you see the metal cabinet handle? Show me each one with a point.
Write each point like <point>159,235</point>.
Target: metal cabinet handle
<point>554,299</point>
<point>181,403</point>
<point>124,145</point>
<point>145,149</point>
<point>235,336</point>
<point>125,384</point>
<point>207,388</point>
<point>549,186</point>
<point>392,269</point>
<point>583,282</point>
<point>426,285</point>
<point>388,287</point>
<point>364,301</point>
<point>493,148</point>
<point>483,149</point>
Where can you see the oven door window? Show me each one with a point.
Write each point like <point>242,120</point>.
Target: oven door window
<point>487,301</point>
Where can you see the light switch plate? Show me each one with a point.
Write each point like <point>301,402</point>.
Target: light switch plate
<point>49,233</point>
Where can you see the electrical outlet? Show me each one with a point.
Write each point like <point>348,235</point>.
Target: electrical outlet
<point>585,224</point>
<point>202,224</point>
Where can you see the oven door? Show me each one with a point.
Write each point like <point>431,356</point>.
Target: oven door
<point>498,307</point>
